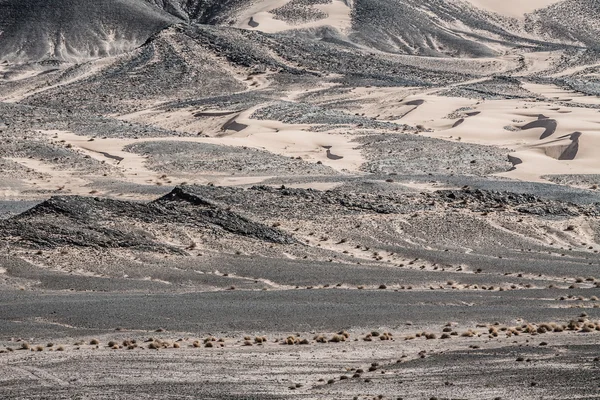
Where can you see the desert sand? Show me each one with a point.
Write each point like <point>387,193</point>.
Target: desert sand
<point>302,199</point>
<point>512,8</point>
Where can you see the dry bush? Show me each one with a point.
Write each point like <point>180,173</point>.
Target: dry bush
<point>587,329</point>
<point>320,339</point>
<point>573,325</point>
<point>337,339</point>
<point>290,340</point>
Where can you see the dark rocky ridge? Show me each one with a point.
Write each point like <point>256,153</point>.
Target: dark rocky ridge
<point>105,223</point>
<point>490,201</point>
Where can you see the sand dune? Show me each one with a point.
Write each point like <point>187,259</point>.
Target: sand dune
<point>549,137</point>
<point>512,8</point>
<point>259,16</point>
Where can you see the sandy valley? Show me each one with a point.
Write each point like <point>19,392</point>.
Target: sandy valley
<point>305,199</point>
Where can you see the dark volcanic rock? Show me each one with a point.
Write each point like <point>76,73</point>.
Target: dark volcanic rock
<point>212,213</point>
<point>105,223</point>
<point>487,200</point>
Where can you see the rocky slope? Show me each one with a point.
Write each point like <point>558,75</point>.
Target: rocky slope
<point>75,30</point>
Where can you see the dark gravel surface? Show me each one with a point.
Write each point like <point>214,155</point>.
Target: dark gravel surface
<point>407,154</point>
<point>277,311</point>
<point>189,157</point>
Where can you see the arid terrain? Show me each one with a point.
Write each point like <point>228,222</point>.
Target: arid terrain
<point>299,199</point>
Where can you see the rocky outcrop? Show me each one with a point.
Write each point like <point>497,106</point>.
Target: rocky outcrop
<point>105,223</point>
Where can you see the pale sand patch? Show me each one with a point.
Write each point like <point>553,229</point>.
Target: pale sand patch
<point>275,137</point>
<point>512,8</point>
<point>427,187</point>
<point>556,93</point>
<point>433,109</point>
<point>66,181</point>
<point>83,71</point>
<point>9,193</point>
<point>291,140</point>
<point>182,120</point>
<point>21,74</point>
<point>488,126</point>
<point>390,103</point>
<point>258,17</point>
<point>538,62</point>
<point>574,70</point>
<point>132,167</point>
<point>538,155</point>
<point>235,180</point>
<point>205,122</point>
<point>537,164</point>
<point>58,181</point>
